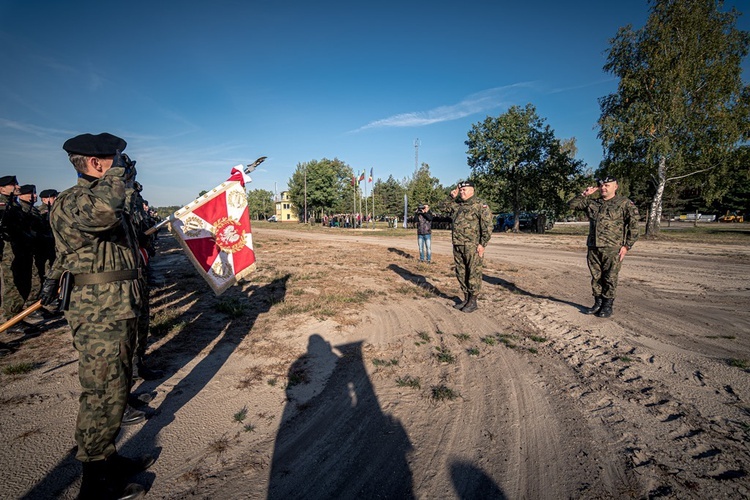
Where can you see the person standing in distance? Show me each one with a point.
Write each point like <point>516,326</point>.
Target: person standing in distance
<point>613,230</point>
<point>471,230</point>
<point>96,245</point>
<point>424,232</point>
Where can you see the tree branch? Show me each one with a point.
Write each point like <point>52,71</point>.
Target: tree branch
<point>688,175</point>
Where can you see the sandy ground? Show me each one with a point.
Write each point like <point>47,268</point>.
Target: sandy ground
<point>340,370</point>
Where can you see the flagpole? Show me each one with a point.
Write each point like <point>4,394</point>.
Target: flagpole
<point>365,214</point>
<point>372,193</point>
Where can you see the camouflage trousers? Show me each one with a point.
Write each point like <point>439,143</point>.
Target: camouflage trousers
<point>144,321</point>
<point>604,265</point>
<point>105,367</point>
<point>468,265</point>
<point>16,281</point>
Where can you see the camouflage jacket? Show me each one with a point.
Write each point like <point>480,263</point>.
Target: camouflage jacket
<point>93,235</point>
<point>471,221</point>
<point>612,223</point>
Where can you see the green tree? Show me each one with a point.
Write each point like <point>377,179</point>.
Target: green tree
<point>423,188</point>
<point>389,197</point>
<point>260,204</point>
<point>327,184</point>
<point>681,107</point>
<point>517,162</point>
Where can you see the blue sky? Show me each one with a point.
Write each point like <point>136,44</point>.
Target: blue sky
<point>198,87</point>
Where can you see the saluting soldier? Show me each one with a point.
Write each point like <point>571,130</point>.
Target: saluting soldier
<point>95,245</point>
<point>10,234</point>
<point>33,268</point>
<point>613,230</point>
<point>46,238</point>
<point>471,232</point>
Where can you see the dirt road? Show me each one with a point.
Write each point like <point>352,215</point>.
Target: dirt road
<point>342,371</point>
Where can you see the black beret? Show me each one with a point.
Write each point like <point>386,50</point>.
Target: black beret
<point>607,179</point>
<point>49,193</point>
<point>8,180</point>
<point>100,145</point>
<point>465,184</point>
<point>28,189</point>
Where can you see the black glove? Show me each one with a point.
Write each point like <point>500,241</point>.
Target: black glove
<point>49,291</point>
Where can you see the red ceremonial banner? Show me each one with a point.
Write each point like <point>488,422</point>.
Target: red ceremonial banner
<point>215,233</point>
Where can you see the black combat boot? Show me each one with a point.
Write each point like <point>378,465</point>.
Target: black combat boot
<point>597,305</point>
<point>461,305</point>
<point>471,305</point>
<point>97,484</point>
<point>606,310</point>
<point>141,370</point>
<point>131,416</point>
<point>123,468</point>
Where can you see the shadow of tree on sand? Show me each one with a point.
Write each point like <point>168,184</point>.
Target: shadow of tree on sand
<point>339,444</point>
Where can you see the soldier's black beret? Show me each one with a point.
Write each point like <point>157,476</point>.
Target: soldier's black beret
<point>28,189</point>
<point>465,184</point>
<point>49,193</point>
<point>100,145</point>
<point>607,179</point>
<point>8,180</point>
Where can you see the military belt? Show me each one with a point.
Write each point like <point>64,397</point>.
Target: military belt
<point>106,277</point>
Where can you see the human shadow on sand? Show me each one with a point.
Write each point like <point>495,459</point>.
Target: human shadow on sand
<point>472,483</point>
<point>512,287</point>
<point>339,444</point>
<point>400,252</point>
<point>418,279</point>
<point>223,336</point>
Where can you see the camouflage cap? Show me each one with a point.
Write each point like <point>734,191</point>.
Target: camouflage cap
<point>100,145</point>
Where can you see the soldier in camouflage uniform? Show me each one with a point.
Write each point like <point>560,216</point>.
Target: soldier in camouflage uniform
<point>613,230</point>
<point>46,238</point>
<point>96,246</point>
<point>16,249</point>
<point>471,231</point>
<point>32,223</point>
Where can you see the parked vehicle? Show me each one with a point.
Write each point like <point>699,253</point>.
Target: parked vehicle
<point>272,219</point>
<point>732,217</point>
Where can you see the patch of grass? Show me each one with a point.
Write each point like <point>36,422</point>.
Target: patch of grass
<point>442,393</point>
<point>624,359</point>
<point>408,381</point>
<point>424,337</point>
<point>739,363</point>
<point>472,351</point>
<point>166,321</point>
<point>248,428</point>
<point>232,307</point>
<point>240,415</point>
<point>537,338</point>
<point>18,368</point>
<point>273,381</point>
<point>382,362</point>
<point>533,350</point>
<point>489,340</point>
<point>444,355</point>
<point>298,376</point>
<point>462,337</point>
<point>507,340</point>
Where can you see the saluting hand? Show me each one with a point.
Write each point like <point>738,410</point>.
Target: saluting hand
<point>590,190</point>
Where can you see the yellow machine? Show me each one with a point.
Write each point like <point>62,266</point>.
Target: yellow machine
<point>732,217</point>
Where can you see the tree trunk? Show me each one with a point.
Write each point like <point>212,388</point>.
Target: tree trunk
<point>654,219</point>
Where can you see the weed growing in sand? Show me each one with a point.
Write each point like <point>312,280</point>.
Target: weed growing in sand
<point>624,359</point>
<point>489,340</point>
<point>273,381</point>
<point>241,415</point>
<point>249,428</point>
<point>382,362</point>
<point>408,381</point>
<point>18,368</point>
<point>232,307</point>
<point>442,393</point>
<point>506,339</point>
<point>220,445</point>
<point>472,351</point>
<point>462,337</point>
<point>166,321</point>
<point>533,350</point>
<point>444,355</point>
<point>298,376</point>
<point>743,364</point>
<point>424,336</point>
<point>537,338</point>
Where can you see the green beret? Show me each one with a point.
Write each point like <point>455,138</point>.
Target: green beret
<point>8,180</point>
<point>99,146</point>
